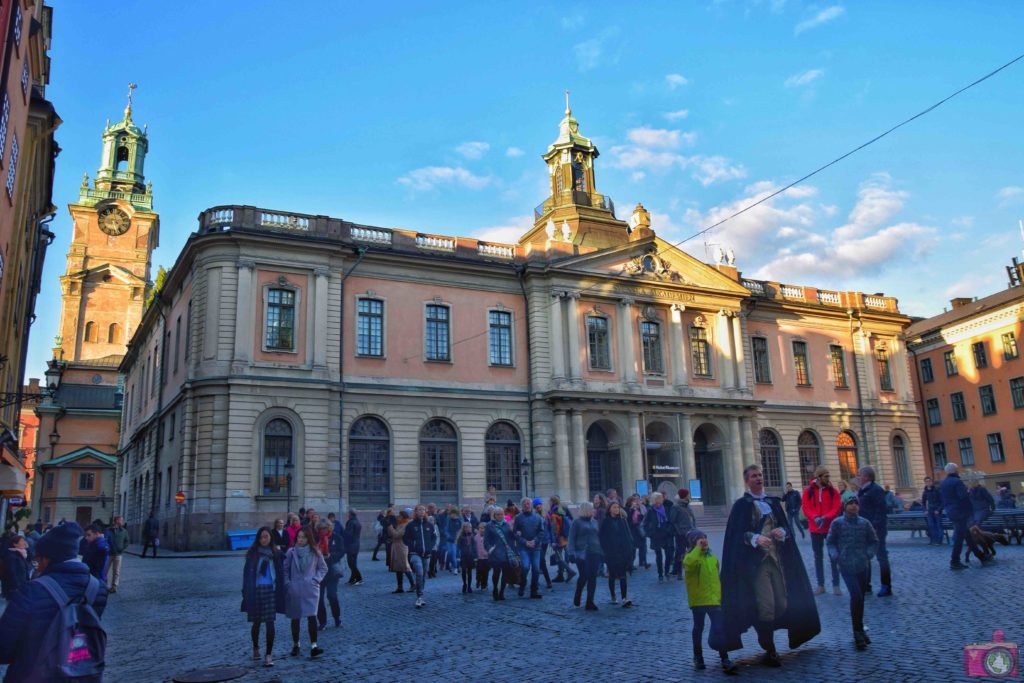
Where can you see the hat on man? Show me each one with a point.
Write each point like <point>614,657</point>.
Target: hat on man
<point>683,493</point>
<point>820,470</point>
<point>537,502</point>
<point>60,543</point>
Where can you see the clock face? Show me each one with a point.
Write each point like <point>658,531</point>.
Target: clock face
<point>114,221</point>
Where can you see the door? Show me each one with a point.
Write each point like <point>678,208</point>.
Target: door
<point>83,515</point>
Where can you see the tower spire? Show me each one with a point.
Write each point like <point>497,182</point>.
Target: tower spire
<point>568,110</point>
<point>128,109</point>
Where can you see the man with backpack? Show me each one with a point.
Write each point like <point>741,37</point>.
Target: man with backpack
<point>51,629</point>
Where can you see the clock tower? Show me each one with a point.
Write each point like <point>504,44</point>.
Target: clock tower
<point>115,231</point>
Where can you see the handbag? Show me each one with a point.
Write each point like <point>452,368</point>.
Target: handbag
<point>513,557</point>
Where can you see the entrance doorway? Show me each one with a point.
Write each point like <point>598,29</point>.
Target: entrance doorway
<point>663,456</point>
<point>83,515</point>
<point>604,463</point>
<point>707,453</point>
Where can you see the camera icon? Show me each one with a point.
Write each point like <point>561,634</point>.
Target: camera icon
<point>997,659</point>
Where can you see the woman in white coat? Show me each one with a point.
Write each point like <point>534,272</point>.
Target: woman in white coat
<point>304,569</point>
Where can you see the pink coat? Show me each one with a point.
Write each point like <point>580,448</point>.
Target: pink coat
<point>481,552</point>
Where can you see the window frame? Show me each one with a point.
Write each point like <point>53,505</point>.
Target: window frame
<point>950,361</point>
<point>91,481</point>
<point>456,443</point>
<point>961,414</point>
<point>367,447</point>
<point>49,481</point>
<point>997,442</point>
<point>771,462</point>
<point>1011,350</point>
<point>700,348</point>
<point>281,491</point>
<point>295,307</point>
<point>645,354</point>
<point>511,340</point>
<point>980,354</point>
<point>933,411</point>
<point>987,400</point>
<point>428,321</point>
<point>607,346</point>
<point>5,120</point>
<point>839,379</point>
<point>12,168</point>
<point>805,357</point>
<point>901,464</point>
<point>492,449</point>
<point>927,372</point>
<point>965,446</point>
<point>885,381</point>
<point>762,361</point>
<point>940,458</point>
<point>382,317</point>
<point>804,452</point>
<point>1016,385</point>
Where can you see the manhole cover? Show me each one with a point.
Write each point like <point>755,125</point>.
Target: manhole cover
<point>217,673</point>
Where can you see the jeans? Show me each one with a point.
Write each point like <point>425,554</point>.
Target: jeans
<point>641,549</point>
<point>418,564</point>
<point>934,519</point>
<point>856,585</point>
<point>883,562</point>
<point>794,522</point>
<point>329,591</point>
<point>450,560</point>
<point>530,557</point>
<point>818,546</point>
<point>960,535</point>
<point>714,614</point>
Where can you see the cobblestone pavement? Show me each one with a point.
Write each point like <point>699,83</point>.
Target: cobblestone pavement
<point>175,615</point>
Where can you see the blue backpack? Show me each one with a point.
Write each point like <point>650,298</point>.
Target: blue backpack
<point>75,642</point>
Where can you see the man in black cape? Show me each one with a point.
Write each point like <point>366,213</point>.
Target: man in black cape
<point>764,581</point>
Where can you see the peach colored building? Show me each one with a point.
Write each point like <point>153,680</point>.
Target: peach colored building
<point>971,382</point>
<point>298,360</point>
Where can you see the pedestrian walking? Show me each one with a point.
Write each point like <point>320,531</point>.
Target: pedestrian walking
<point>279,536</point>
<point>353,533</point>
<point>635,512</point>
<point>873,508</point>
<point>982,502</point>
<point>483,564</point>
<point>380,529</point>
<point>332,547</point>
<point>545,541</point>
<point>682,520</point>
<point>528,532</point>
<point>95,552</point>
<point>502,558</point>
<point>263,590</point>
<point>420,536</point>
<point>704,595</point>
<point>821,504</point>
<point>452,527</point>
<point>793,502</point>
<point>16,566</point>
<point>585,550</point>
<point>931,499</point>
<point>852,542</point>
<point>466,547</point>
<point>956,504</point>
<point>151,534</point>
<point>398,553</point>
<point>117,539</point>
<point>617,547</point>
<point>659,530</point>
<point>559,520</point>
<point>304,570</point>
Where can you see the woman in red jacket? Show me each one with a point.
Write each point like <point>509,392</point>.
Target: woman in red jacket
<point>821,504</point>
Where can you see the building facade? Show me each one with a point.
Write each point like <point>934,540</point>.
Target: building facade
<point>27,154</point>
<point>104,290</point>
<point>293,359</point>
<point>970,378</point>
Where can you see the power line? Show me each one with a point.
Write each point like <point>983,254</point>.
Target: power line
<point>796,182</point>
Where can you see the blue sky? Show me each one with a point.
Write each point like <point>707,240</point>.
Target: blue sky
<point>434,117</point>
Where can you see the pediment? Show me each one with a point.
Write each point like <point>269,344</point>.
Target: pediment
<point>653,261</point>
<point>118,273</point>
<point>86,456</point>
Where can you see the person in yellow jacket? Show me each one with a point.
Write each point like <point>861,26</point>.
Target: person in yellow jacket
<point>704,593</point>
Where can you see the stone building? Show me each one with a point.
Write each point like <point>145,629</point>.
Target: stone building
<point>295,359</point>
<point>970,378</point>
<point>103,294</point>
<point>27,154</point>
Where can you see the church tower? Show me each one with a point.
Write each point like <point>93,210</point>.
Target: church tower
<point>108,265</point>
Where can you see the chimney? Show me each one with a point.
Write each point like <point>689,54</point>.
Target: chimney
<point>960,301</point>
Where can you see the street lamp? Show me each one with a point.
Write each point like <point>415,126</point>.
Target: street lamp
<point>54,370</point>
<point>524,470</point>
<point>288,467</point>
<point>54,438</point>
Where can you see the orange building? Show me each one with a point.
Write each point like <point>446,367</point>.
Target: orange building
<point>971,382</point>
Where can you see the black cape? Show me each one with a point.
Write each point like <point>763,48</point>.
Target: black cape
<point>740,562</point>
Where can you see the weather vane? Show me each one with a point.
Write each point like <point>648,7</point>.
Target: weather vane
<point>131,87</point>
<point>567,109</point>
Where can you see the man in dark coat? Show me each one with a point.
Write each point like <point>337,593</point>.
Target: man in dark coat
<point>151,534</point>
<point>353,530</point>
<point>764,582</point>
<point>793,501</point>
<point>932,500</point>
<point>873,508</point>
<point>957,506</point>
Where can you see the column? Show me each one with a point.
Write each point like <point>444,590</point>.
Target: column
<point>749,457</point>
<point>676,342</point>
<point>635,461</point>
<point>739,356</point>
<point>627,352</point>
<point>735,485</point>
<point>319,328</point>
<point>723,343</point>
<point>212,313</point>
<point>574,336</point>
<point>581,481</point>
<point>866,363</point>
<point>557,337</point>
<point>900,370</point>
<point>689,466</point>
<point>563,477</point>
<point>244,312</point>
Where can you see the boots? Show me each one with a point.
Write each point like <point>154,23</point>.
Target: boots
<point>858,640</point>
<point>698,661</point>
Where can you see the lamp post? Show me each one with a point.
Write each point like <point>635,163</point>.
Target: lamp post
<point>288,467</point>
<point>524,471</point>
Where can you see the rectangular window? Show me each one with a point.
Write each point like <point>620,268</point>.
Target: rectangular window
<point>17,24</point>
<point>188,330</point>
<point>1020,434</point>
<point>762,365</point>
<point>174,418</point>
<point>12,169</point>
<point>370,328</point>
<point>154,378</point>
<point>170,487</point>
<point>1010,346</point>
<point>959,406</point>
<point>988,400</point>
<point>800,367</point>
<point>598,344</point>
<point>49,481</point>
<point>966,451</point>
<point>280,325</point>
<point>86,481</point>
<point>177,342</point>
<point>650,341</point>
<point>934,414</point>
<point>949,358</point>
<point>939,455</point>
<point>1017,391</point>
<point>927,376</point>
<point>500,346</point>
<point>24,78</point>
<point>838,358</point>
<point>884,370</point>
<point>5,116</point>
<point>980,355</point>
<point>995,447</point>
<point>438,344</point>
<point>700,351</point>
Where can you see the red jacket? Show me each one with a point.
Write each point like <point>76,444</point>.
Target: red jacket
<point>821,502</point>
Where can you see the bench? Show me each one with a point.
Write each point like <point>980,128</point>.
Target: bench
<point>240,539</point>
<point>1009,522</point>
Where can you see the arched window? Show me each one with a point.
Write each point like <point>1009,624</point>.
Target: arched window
<point>847,446</point>
<point>90,331</point>
<point>899,459</point>
<point>122,158</point>
<point>369,461</point>
<point>809,451</point>
<point>771,460</point>
<point>277,452</point>
<point>114,334</point>
<point>439,461</point>
<point>503,449</point>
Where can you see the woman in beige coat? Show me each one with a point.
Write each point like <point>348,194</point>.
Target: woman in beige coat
<point>400,552</point>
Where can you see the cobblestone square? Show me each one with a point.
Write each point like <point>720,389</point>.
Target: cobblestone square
<point>174,615</point>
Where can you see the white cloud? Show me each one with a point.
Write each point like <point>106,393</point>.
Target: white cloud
<point>711,169</point>
<point>508,232</point>
<point>677,114</point>
<point>637,176</point>
<point>573,21</point>
<point>660,137</point>
<point>963,221</point>
<point>473,149</point>
<point>876,204</point>
<point>823,17</point>
<point>514,152</point>
<point>973,284</point>
<point>431,177</point>
<point>1010,193</point>
<point>592,53</point>
<point>676,80</point>
<point>804,78</point>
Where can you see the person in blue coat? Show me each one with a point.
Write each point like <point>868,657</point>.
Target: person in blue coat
<point>932,501</point>
<point>957,505</point>
<point>982,502</point>
<point>96,552</point>
<point>875,509</point>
